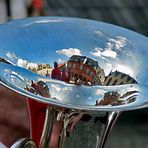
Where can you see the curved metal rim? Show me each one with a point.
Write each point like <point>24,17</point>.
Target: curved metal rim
<point>79,107</point>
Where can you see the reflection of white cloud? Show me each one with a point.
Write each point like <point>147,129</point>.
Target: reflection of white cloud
<point>108,68</point>
<point>109,53</point>
<point>118,42</point>
<point>99,33</point>
<point>44,21</point>
<point>111,47</point>
<point>26,64</point>
<point>11,55</point>
<point>125,69</point>
<point>69,52</point>
<point>97,52</point>
<point>56,87</point>
<point>22,63</point>
<point>100,92</point>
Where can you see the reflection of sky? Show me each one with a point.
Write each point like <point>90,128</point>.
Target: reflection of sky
<point>44,40</point>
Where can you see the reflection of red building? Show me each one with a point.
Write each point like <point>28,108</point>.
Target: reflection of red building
<point>84,69</point>
<point>110,98</point>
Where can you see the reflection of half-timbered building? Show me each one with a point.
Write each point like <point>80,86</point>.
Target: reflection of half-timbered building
<point>85,70</point>
<point>119,78</point>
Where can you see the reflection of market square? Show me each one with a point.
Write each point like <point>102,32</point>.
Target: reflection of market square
<point>84,70</point>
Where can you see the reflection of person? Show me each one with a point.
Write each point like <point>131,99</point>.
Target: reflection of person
<point>65,76</point>
<point>79,80</point>
<point>69,75</point>
<point>56,73</point>
<point>47,74</point>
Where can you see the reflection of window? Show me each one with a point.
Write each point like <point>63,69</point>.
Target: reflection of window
<point>76,60</point>
<point>91,74</point>
<point>74,66</point>
<point>82,59</point>
<point>39,67</point>
<point>81,67</point>
<point>134,81</point>
<point>48,66</point>
<point>76,75</point>
<point>121,83</point>
<point>92,63</point>
<point>108,82</point>
<point>115,82</point>
<point>128,79</point>
<point>84,69</point>
<point>122,76</point>
<point>69,65</point>
<point>98,72</point>
<point>87,71</point>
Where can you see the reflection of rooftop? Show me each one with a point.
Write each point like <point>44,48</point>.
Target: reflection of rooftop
<point>83,59</point>
<point>119,78</point>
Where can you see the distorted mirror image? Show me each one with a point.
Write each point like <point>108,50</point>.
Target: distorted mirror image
<point>74,76</point>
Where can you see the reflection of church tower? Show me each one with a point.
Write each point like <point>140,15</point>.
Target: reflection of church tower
<point>119,78</point>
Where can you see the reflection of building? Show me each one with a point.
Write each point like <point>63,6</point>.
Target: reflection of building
<point>119,78</point>
<point>100,75</point>
<point>114,98</point>
<point>43,68</point>
<point>110,98</point>
<point>85,69</point>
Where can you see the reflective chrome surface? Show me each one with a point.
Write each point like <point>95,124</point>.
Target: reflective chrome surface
<point>99,66</point>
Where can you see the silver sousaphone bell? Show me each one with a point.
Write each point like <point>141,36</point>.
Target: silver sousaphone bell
<point>78,75</point>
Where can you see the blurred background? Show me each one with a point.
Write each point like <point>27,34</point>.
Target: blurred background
<point>131,129</point>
